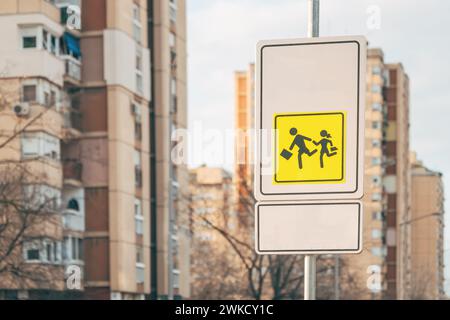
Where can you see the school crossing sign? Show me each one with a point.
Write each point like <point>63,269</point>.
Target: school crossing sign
<point>310,148</point>
<point>309,145</point>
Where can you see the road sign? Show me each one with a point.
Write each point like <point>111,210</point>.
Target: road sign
<point>321,227</point>
<point>310,98</point>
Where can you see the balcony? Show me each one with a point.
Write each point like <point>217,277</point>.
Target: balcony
<point>74,210</point>
<point>73,220</point>
<point>72,70</point>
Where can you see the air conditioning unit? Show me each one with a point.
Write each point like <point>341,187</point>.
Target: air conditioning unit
<point>22,109</point>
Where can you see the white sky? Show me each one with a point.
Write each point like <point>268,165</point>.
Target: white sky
<point>222,36</point>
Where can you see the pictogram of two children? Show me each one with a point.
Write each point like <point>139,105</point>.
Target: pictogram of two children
<point>300,142</point>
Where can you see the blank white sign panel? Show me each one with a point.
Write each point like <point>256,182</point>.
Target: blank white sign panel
<point>308,228</point>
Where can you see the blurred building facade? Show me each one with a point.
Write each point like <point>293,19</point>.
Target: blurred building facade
<point>427,233</point>
<point>212,202</point>
<point>113,91</point>
<point>382,268</point>
<point>244,123</point>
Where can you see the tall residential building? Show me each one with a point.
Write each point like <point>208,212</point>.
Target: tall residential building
<point>170,182</point>
<point>39,117</point>
<point>427,233</point>
<point>397,183</point>
<point>244,123</point>
<point>111,93</point>
<point>386,253</point>
<point>372,259</point>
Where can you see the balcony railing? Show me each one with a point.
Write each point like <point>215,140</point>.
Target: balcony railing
<point>73,67</point>
<point>73,220</point>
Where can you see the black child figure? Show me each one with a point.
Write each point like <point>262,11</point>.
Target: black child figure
<point>299,141</point>
<point>324,144</point>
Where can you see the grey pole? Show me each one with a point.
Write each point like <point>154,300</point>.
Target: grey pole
<point>336,277</point>
<point>310,260</point>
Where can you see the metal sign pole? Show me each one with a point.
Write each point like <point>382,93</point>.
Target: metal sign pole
<point>310,260</point>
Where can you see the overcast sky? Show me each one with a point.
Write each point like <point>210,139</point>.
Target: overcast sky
<point>222,36</point>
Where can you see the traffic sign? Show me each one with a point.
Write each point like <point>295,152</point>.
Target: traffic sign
<point>314,227</point>
<point>318,139</point>
<point>309,119</point>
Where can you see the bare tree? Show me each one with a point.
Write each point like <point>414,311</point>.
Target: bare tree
<point>265,276</point>
<point>24,214</point>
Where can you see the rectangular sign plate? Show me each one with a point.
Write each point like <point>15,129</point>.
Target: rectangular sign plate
<point>309,119</point>
<point>320,227</point>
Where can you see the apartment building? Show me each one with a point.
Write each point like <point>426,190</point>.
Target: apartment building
<point>371,261</point>
<point>427,233</point>
<point>397,183</point>
<point>216,268</point>
<point>40,66</point>
<point>244,123</point>
<point>212,199</point>
<point>170,182</point>
<point>113,90</point>
<point>382,269</point>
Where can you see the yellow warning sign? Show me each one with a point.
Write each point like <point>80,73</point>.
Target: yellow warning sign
<point>309,148</point>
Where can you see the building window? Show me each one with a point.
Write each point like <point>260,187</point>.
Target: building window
<point>376,161</point>
<point>376,143</point>
<point>376,233</point>
<point>377,215</point>
<point>139,69</point>
<point>42,197</point>
<point>172,40</point>
<point>138,217</point>
<point>376,70</point>
<point>173,12</point>
<point>139,83</point>
<point>72,249</point>
<point>376,180</point>
<point>33,255</point>
<point>42,251</point>
<point>138,168</point>
<point>40,144</point>
<point>376,196</point>
<point>29,93</point>
<point>137,27</point>
<point>140,266</point>
<point>29,42</point>
<point>376,251</point>
<point>376,88</point>
<point>140,273</point>
<point>376,124</point>
<point>377,106</point>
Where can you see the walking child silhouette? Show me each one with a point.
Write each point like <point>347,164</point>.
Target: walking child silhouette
<point>299,141</point>
<point>324,146</point>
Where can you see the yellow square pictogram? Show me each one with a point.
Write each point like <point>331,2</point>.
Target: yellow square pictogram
<point>309,148</point>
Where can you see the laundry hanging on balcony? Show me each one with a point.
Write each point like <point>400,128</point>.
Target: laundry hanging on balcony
<point>72,45</point>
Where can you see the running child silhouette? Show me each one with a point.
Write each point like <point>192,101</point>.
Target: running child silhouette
<point>299,141</point>
<point>324,146</point>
